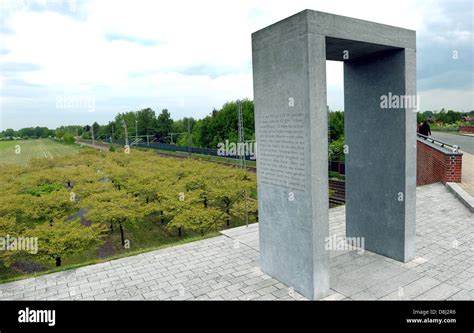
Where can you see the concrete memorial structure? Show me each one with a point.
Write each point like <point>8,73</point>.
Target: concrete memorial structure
<point>289,73</point>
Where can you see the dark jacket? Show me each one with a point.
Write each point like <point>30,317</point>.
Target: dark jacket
<point>425,129</point>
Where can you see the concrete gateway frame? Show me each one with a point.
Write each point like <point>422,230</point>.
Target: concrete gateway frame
<point>289,73</point>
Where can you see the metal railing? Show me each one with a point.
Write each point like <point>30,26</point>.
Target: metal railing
<point>442,144</point>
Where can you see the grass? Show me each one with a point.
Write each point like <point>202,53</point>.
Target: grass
<point>22,151</point>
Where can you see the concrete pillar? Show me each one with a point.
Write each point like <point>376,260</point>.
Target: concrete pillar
<point>381,163</point>
<point>291,131</point>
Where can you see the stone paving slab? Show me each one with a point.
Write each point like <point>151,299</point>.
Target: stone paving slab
<point>227,266</point>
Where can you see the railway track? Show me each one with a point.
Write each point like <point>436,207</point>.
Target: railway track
<point>338,197</point>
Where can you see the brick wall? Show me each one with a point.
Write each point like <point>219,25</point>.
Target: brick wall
<point>466,129</point>
<point>435,164</point>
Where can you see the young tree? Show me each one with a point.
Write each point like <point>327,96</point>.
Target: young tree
<point>9,228</point>
<point>68,138</point>
<point>56,241</point>
<point>189,214</point>
<point>66,238</point>
<point>230,187</point>
<point>245,208</point>
<point>114,208</point>
<point>48,207</point>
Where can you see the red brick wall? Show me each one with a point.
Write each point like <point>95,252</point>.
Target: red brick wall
<point>467,129</point>
<point>433,165</point>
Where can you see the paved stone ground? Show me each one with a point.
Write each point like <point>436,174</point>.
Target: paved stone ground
<point>226,267</point>
<point>467,180</point>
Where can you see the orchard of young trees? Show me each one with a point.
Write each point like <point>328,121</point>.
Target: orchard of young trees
<point>76,204</point>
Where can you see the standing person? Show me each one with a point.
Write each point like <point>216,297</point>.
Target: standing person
<point>425,129</point>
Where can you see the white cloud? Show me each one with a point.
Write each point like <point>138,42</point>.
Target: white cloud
<point>76,58</point>
<point>436,99</point>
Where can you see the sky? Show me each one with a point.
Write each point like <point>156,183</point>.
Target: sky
<point>79,61</point>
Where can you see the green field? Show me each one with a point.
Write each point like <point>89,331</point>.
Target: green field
<point>22,151</point>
